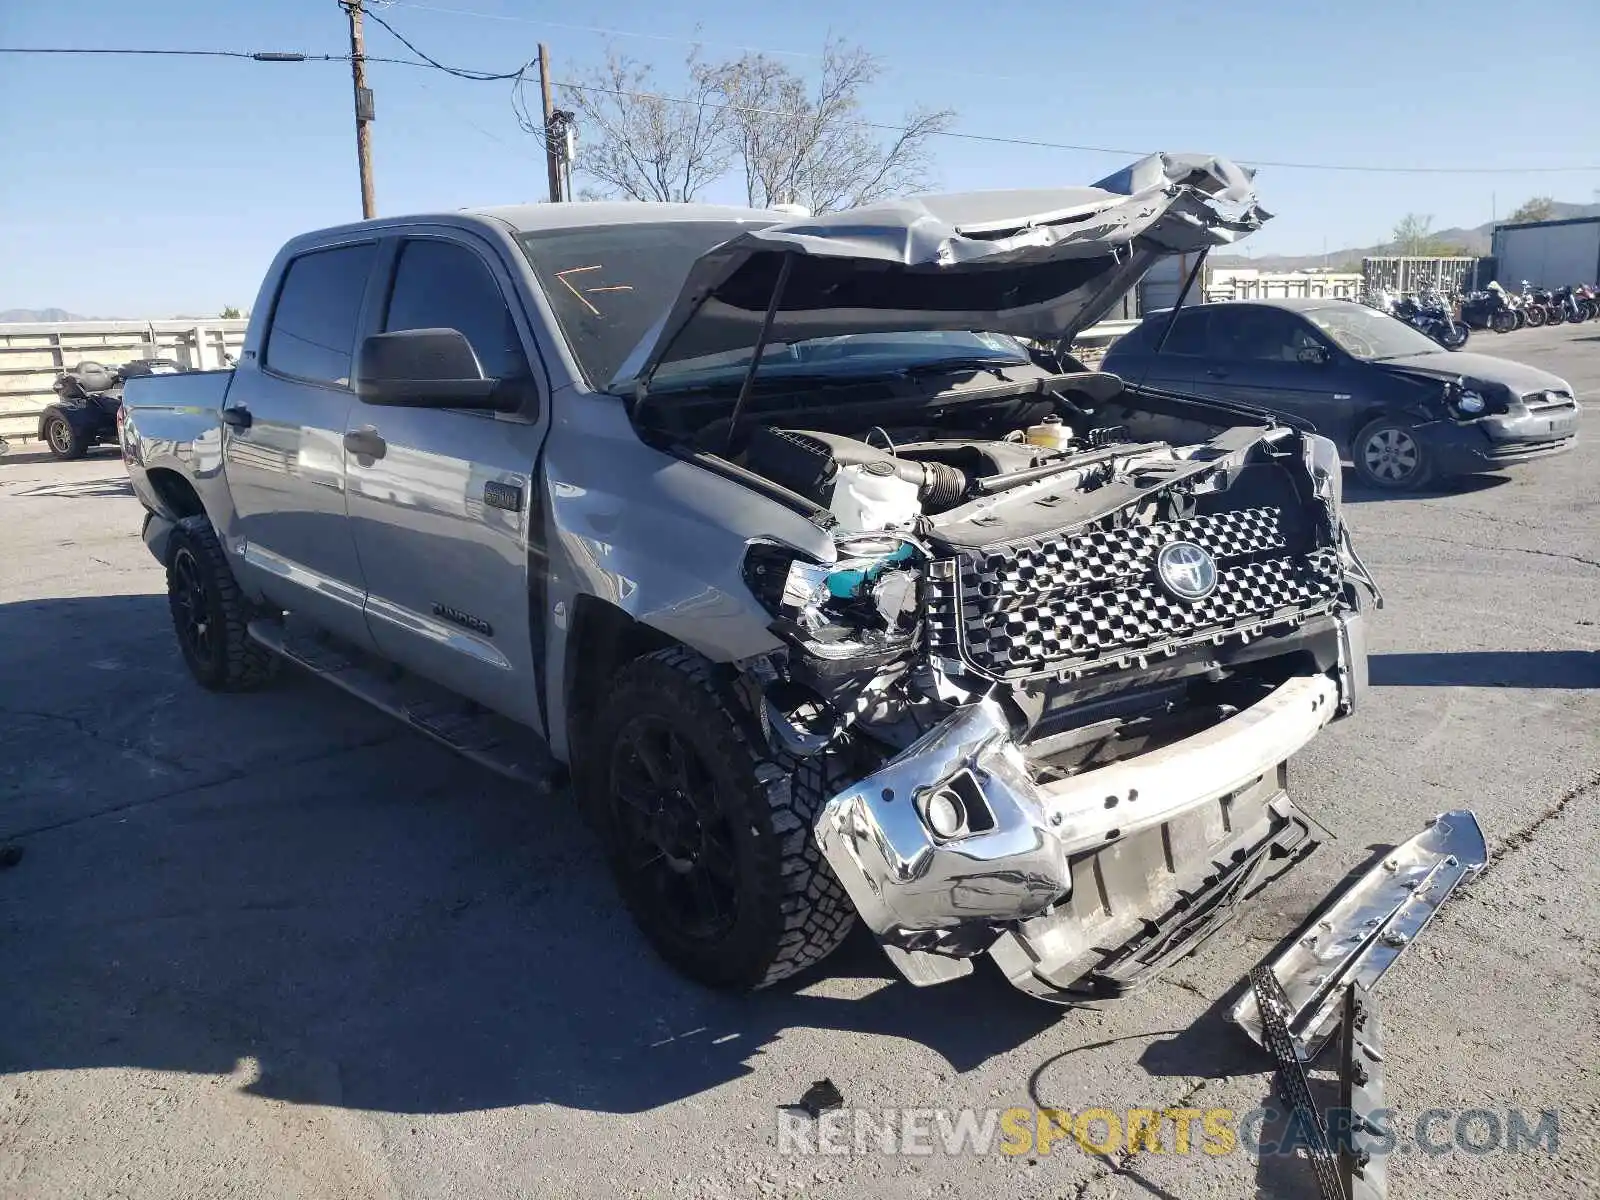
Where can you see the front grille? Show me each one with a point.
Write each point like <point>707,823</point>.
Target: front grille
<point>1547,400</point>
<point>1063,606</point>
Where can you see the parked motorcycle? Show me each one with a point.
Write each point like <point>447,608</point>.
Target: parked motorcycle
<point>1489,309</point>
<point>1533,307</point>
<point>1569,305</point>
<point>1433,315</point>
<point>90,395</point>
<point>1587,301</point>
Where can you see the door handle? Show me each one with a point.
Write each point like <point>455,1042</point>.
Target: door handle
<point>1216,372</point>
<point>365,443</point>
<point>238,416</point>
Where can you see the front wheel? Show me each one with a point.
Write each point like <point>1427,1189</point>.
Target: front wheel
<point>1535,315</point>
<point>63,439</point>
<point>1388,455</point>
<point>1453,334</point>
<point>210,613</point>
<point>708,832</point>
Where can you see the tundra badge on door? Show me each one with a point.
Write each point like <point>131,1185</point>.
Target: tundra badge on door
<point>476,624</point>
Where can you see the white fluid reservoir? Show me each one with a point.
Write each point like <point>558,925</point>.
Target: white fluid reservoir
<point>870,497</point>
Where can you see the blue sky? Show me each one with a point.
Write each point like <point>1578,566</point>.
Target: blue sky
<point>147,186</point>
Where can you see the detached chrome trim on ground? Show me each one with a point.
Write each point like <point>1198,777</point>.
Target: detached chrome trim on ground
<point>1361,935</point>
<point>1009,854</point>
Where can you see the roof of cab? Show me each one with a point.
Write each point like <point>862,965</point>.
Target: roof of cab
<point>530,218</point>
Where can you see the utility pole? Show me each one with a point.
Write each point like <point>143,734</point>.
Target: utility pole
<point>364,113</point>
<point>551,157</point>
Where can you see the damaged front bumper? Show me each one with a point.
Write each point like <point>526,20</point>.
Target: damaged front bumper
<point>952,848</point>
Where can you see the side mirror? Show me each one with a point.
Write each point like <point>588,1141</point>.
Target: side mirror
<point>426,368</point>
<point>1313,356</point>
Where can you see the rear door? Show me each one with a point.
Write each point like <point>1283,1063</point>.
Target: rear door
<point>441,500</point>
<point>1174,369</point>
<point>281,448</point>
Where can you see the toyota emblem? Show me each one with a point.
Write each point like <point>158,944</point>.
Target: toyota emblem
<point>1186,570</point>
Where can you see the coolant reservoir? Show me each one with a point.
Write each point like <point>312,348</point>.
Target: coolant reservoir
<point>1052,433</point>
<point>870,497</point>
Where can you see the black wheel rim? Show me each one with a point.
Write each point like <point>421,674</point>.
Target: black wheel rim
<point>191,610</point>
<point>672,832</point>
<point>61,437</point>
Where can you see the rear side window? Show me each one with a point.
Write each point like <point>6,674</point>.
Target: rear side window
<point>313,329</point>
<point>442,285</point>
<point>1188,335</point>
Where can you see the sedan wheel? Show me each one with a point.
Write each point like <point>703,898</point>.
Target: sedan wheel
<point>1388,455</point>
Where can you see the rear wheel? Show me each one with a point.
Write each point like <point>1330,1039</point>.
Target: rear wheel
<point>1389,455</point>
<point>63,440</point>
<point>1503,321</point>
<point>210,613</point>
<point>708,832</point>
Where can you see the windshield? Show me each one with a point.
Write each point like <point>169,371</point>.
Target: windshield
<point>1369,335</point>
<point>843,356</point>
<point>608,284</point>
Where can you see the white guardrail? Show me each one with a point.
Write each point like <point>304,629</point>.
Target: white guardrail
<point>32,355</point>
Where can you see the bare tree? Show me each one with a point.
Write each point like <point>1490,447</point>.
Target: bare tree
<point>1540,208</point>
<point>810,145</point>
<point>793,142</point>
<point>637,142</point>
<point>1413,233</point>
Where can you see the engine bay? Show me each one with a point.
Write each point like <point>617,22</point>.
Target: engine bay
<point>974,520</point>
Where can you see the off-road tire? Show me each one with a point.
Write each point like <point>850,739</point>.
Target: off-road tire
<point>234,662</point>
<point>1372,475</point>
<point>63,440</point>
<point>791,911</point>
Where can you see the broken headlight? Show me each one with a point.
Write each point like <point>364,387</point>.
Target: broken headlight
<point>869,598</point>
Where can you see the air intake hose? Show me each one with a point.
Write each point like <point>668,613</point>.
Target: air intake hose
<point>807,461</point>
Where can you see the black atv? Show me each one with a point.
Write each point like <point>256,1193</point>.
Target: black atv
<point>90,396</point>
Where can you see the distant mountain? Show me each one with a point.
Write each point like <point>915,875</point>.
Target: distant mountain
<point>1474,242</point>
<point>38,314</point>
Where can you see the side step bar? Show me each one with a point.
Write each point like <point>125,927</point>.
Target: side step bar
<point>488,739</point>
<point>1363,933</point>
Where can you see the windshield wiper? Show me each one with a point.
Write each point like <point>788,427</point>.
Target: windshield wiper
<point>943,366</point>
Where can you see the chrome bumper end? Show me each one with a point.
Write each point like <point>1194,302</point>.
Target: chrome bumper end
<point>924,883</point>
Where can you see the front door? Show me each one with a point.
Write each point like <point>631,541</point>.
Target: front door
<point>441,501</point>
<point>1271,358</point>
<point>283,454</point>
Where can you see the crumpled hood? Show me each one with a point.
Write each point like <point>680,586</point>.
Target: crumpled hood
<point>1040,264</point>
<point>1485,368</point>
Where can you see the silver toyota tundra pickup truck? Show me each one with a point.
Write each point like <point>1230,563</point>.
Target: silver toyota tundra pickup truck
<point>841,588</point>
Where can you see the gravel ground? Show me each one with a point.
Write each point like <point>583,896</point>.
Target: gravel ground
<point>276,945</point>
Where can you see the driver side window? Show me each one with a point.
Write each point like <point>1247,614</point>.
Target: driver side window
<point>1266,335</point>
<point>443,285</point>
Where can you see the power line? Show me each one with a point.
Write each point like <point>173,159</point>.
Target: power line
<point>519,76</point>
<point>257,55</point>
<point>676,39</point>
<point>1045,145</point>
<point>458,72</point>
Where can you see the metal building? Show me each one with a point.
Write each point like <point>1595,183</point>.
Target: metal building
<point>1548,253</point>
